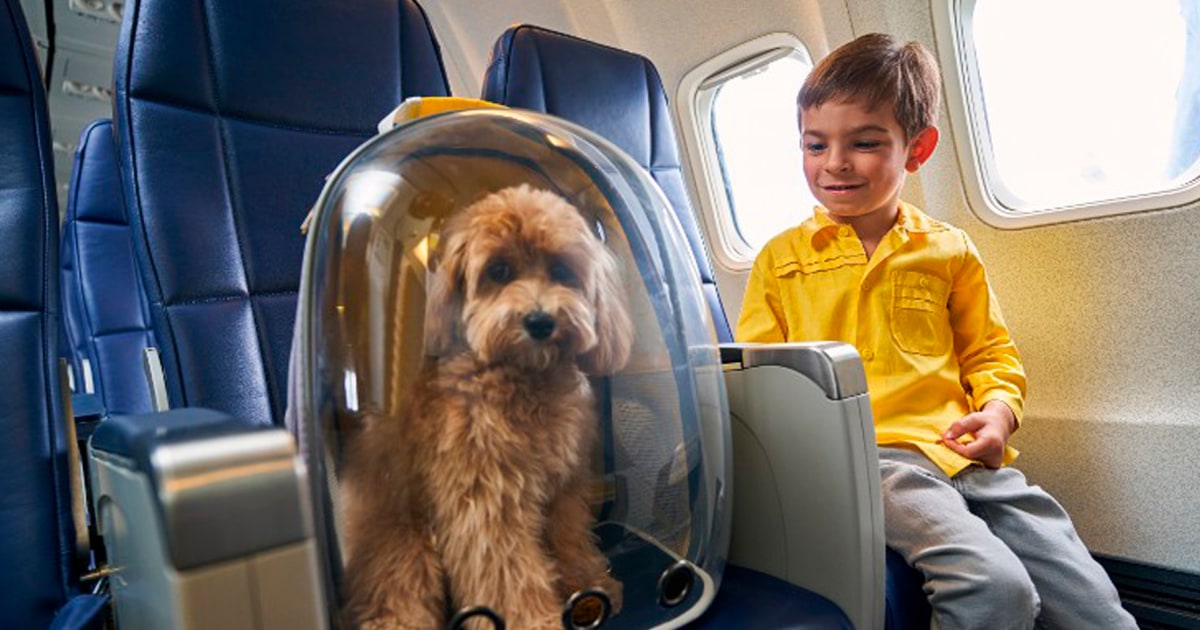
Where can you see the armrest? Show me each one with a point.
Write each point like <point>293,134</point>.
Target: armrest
<point>807,506</point>
<point>225,488</point>
<point>87,407</point>
<point>834,367</point>
<point>88,411</point>
<point>206,520</point>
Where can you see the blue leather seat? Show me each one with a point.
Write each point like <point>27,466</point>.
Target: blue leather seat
<point>68,349</point>
<point>229,115</point>
<point>620,96</point>
<point>104,306</point>
<point>40,587</point>
<point>906,605</point>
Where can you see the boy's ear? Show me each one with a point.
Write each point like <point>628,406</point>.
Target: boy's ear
<point>920,148</point>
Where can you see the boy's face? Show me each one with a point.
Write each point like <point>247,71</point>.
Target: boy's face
<point>855,159</point>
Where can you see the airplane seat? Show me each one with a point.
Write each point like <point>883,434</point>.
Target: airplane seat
<point>40,492</point>
<point>620,96</point>
<point>74,353</point>
<point>104,306</point>
<point>228,117</point>
<point>907,606</point>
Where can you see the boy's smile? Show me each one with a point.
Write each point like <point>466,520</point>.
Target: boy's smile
<point>855,159</point>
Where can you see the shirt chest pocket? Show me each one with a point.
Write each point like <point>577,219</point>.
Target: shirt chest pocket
<point>920,319</point>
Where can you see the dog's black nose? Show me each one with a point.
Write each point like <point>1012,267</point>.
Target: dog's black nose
<point>539,324</point>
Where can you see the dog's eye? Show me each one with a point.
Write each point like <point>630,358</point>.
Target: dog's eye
<point>560,272</point>
<point>499,271</point>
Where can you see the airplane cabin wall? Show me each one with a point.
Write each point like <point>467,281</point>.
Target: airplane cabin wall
<point>1104,314</point>
<point>1101,310</point>
<point>677,36</point>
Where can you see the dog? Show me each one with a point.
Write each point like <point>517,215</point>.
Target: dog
<point>477,494</point>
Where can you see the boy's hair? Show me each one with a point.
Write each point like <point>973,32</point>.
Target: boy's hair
<point>879,71</point>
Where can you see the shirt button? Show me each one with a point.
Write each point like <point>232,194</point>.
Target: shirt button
<point>868,354</point>
<point>843,231</point>
<point>924,282</point>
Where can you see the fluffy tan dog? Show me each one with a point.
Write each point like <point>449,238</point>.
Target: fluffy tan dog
<point>477,493</point>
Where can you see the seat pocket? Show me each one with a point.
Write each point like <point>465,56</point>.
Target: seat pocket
<point>920,318</point>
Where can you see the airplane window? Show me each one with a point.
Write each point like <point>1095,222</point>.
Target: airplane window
<point>1093,109</point>
<point>737,117</point>
<point>758,145</point>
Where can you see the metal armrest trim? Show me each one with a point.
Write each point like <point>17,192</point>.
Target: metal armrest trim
<point>834,366</point>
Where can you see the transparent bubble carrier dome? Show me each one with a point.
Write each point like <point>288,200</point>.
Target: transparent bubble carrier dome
<point>506,385</point>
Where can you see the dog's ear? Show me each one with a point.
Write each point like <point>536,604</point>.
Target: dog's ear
<point>614,329</point>
<point>443,306</point>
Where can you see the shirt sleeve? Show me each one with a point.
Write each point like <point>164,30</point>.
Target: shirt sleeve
<point>989,364</point>
<point>762,318</point>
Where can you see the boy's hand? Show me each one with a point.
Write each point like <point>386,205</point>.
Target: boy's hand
<point>991,427</point>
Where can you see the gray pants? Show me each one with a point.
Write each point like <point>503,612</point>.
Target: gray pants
<point>996,552</point>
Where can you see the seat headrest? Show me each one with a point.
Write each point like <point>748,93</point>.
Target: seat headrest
<point>302,71</point>
<point>95,182</point>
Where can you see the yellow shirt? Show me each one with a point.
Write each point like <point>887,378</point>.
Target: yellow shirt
<point>920,312</point>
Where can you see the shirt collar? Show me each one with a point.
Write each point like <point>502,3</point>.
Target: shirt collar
<point>817,223</point>
<point>910,219</point>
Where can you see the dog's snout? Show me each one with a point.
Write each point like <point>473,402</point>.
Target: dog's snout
<point>539,324</point>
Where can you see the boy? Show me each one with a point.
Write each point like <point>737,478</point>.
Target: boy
<point>945,380</point>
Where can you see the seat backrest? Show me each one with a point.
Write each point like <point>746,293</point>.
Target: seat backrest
<point>616,94</point>
<point>35,514</point>
<point>229,115</point>
<point>104,306</point>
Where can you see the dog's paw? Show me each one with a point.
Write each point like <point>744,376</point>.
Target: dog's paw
<point>527,620</point>
<point>615,591</point>
<point>590,608</point>
<point>587,612</point>
<point>547,623</point>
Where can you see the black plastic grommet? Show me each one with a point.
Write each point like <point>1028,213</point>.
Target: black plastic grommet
<point>579,613</point>
<point>676,583</point>
<point>456,622</point>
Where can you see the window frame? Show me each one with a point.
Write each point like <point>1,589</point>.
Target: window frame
<point>985,190</point>
<point>693,105</point>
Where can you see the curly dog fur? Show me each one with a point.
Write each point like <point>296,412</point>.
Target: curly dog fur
<point>477,493</point>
